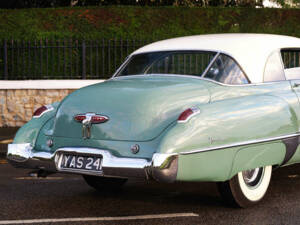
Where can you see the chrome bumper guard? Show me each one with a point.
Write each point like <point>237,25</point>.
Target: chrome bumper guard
<point>162,167</point>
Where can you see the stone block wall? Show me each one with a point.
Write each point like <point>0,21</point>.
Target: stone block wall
<point>18,105</point>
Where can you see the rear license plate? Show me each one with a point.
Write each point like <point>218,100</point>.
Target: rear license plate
<point>79,162</point>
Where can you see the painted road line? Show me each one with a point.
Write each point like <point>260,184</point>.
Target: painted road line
<point>86,219</point>
<point>6,141</point>
<point>3,161</point>
<point>38,178</point>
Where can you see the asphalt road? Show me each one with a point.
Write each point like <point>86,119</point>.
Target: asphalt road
<point>6,136</point>
<point>67,196</point>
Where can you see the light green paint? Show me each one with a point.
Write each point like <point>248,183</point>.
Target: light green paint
<point>144,110</point>
<point>139,108</point>
<point>257,156</point>
<point>206,166</point>
<point>29,132</point>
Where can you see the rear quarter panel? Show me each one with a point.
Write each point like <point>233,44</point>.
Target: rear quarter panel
<point>262,113</point>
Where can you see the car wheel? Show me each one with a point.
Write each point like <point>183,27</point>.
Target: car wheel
<point>247,187</point>
<point>104,183</point>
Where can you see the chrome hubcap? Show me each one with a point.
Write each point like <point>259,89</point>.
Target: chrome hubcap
<point>252,177</point>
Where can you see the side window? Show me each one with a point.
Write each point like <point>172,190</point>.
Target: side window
<point>227,71</point>
<point>273,68</point>
<point>291,61</point>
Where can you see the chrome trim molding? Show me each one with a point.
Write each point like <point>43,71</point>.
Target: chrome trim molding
<point>257,141</point>
<point>87,122</point>
<point>210,64</point>
<point>164,167</point>
<point>20,152</point>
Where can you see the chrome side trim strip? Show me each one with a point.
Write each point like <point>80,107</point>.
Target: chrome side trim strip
<point>257,141</point>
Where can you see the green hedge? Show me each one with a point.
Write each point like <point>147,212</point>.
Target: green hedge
<point>144,23</point>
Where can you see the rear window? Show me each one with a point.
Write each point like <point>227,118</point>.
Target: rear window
<point>210,65</point>
<point>168,62</point>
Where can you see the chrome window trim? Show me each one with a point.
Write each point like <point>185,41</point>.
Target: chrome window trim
<point>114,76</point>
<point>227,55</point>
<point>210,64</point>
<point>127,60</point>
<point>238,144</point>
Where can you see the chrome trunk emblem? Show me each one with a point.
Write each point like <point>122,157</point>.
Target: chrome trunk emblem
<point>87,120</point>
<point>86,126</point>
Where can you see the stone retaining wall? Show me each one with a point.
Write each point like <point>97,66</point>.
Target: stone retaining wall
<point>17,106</point>
<point>19,99</point>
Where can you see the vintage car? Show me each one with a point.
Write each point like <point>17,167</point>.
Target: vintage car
<point>221,108</point>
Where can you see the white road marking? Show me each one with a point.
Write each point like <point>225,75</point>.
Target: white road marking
<point>38,178</point>
<point>6,141</point>
<point>86,219</point>
<point>3,161</point>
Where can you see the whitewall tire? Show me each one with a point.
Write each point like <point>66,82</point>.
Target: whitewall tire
<point>247,187</point>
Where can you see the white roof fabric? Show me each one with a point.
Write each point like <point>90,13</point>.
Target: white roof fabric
<point>251,51</point>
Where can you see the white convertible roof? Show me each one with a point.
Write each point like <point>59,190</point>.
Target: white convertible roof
<point>251,51</point>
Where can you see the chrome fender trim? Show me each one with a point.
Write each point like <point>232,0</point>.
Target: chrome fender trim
<point>164,167</point>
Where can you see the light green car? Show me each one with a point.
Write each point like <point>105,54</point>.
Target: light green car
<point>221,108</point>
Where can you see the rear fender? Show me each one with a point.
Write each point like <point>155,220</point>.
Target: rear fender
<point>29,132</point>
<point>257,156</point>
<point>228,123</point>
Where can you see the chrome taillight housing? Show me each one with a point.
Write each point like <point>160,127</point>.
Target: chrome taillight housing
<point>187,114</point>
<point>42,110</point>
<point>92,117</point>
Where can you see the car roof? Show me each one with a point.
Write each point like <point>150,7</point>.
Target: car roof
<point>251,51</point>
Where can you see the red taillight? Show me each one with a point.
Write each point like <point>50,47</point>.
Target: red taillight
<point>99,119</point>
<point>187,114</point>
<point>80,118</point>
<point>93,118</point>
<point>40,111</point>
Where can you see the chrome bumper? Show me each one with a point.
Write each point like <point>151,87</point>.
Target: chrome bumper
<point>162,167</point>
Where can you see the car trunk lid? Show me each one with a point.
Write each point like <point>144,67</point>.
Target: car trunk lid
<point>138,108</point>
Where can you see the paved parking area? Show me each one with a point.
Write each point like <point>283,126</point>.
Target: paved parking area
<point>6,137</point>
<point>66,199</point>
